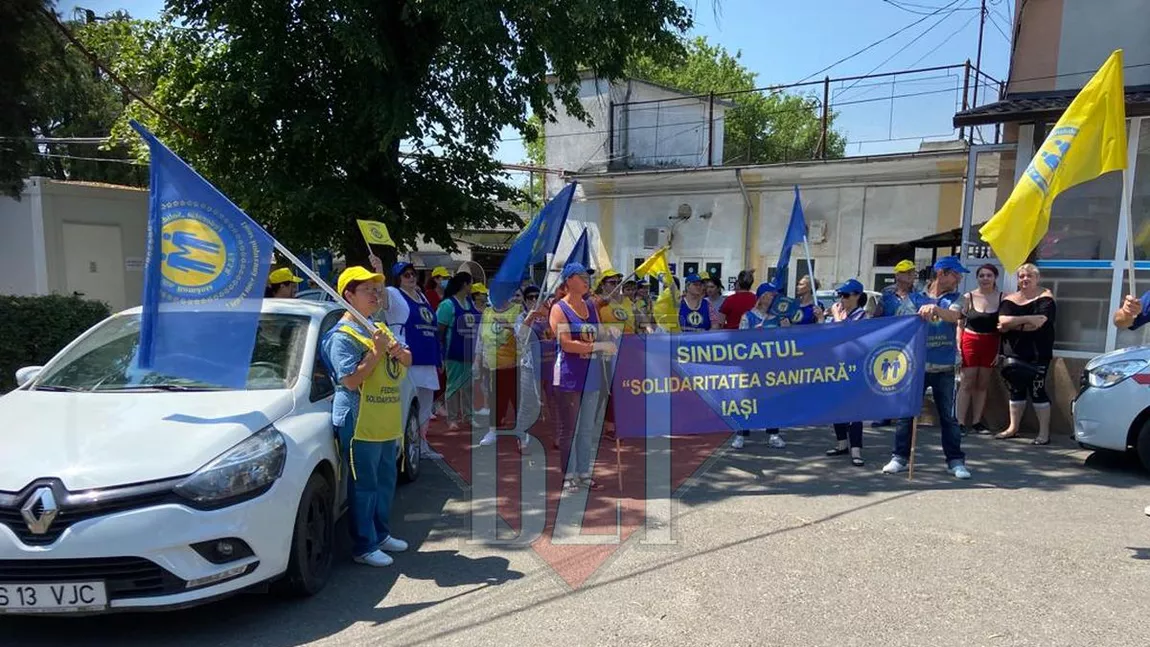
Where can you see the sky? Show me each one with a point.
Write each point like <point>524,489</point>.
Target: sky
<point>785,41</point>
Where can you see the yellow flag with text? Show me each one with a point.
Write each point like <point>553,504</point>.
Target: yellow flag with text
<point>1089,140</point>
<point>375,233</point>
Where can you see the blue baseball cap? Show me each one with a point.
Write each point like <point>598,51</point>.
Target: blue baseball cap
<point>571,269</point>
<point>951,263</point>
<point>765,288</point>
<point>851,286</point>
<point>692,278</point>
<point>398,269</point>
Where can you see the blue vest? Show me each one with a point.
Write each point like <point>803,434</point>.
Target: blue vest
<point>695,320</point>
<point>806,315</point>
<point>420,332</point>
<point>461,337</point>
<point>941,346</point>
<point>573,372</point>
<point>755,321</point>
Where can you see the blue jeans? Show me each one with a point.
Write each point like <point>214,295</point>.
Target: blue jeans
<point>577,414</point>
<point>942,386</point>
<point>371,488</point>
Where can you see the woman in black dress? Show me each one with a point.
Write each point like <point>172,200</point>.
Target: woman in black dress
<point>1026,320</point>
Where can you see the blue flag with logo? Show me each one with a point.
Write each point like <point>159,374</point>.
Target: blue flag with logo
<point>538,239</point>
<point>204,277</point>
<point>581,252</point>
<point>719,381</point>
<point>796,233</point>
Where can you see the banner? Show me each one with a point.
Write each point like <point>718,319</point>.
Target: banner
<point>720,381</point>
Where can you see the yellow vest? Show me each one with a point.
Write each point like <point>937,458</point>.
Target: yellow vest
<point>497,334</point>
<point>613,314</point>
<point>380,410</point>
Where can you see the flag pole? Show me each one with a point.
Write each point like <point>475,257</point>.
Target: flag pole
<point>1127,190</point>
<point>810,269</point>
<point>286,253</point>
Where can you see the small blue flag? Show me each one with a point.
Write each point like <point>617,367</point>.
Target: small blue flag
<point>531,246</point>
<point>581,252</point>
<point>796,233</point>
<point>204,277</point>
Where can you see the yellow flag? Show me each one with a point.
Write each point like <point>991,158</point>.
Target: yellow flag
<point>666,308</point>
<point>375,233</point>
<point>656,265</point>
<point>1089,140</point>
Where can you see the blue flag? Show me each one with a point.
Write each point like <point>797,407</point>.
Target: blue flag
<point>796,233</point>
<point>531,246</point>
<point>204,277</point>
<point>581,252</point>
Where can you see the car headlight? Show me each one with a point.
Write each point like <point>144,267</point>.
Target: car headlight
<point>1108,375</point>
<point>243,472</point>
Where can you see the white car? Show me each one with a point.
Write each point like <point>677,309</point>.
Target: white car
<point>1112,410</point>
<point>157,492</point>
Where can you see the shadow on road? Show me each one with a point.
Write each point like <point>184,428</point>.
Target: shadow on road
<point>354,593</point>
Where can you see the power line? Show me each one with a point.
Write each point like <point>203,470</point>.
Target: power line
<point>923,10</point>
<point>904,47</point>
<point>994,21</point>
<point>946,40</point>
<point>877,42</point>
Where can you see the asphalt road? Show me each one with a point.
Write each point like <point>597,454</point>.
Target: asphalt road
<point>1045,546</point>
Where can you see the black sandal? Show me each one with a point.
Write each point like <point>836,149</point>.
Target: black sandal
<point>857,461</point>
<point>590,484</point>
<point>835,451</point>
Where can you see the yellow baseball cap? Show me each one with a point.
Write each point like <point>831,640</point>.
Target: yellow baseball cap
<point>440,272</point>
<point>904,266</point>
<point>606,275</point>
<point>478,288</point>
<point>283,275</point>
<point>356,273</point>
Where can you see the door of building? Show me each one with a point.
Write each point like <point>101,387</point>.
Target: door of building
<point>94,263</point>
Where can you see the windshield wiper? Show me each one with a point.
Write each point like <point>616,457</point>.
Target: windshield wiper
<point>56,387</point>
<point>159,387</point>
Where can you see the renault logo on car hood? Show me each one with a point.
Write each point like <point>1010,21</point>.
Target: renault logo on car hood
<point>39,523</point>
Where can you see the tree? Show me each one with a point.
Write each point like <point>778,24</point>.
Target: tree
<point>63,94</point>
<point>311,115</point>
<point>762,127</point>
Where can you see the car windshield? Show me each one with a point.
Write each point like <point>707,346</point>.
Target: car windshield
<point>105,359</point>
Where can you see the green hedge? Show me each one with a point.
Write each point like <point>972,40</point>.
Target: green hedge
<point>34,329</point>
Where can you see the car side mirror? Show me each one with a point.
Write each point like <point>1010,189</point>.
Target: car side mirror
<point>27,374</point>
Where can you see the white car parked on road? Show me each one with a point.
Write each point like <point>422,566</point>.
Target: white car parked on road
<point>1112,410</point>
<point>122,489</point>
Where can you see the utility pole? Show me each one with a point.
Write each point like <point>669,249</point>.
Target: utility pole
<point>978,62</point>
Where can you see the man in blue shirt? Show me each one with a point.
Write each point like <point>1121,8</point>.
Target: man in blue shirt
<point>940,305</point>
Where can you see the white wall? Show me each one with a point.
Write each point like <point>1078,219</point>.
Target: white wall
<point>124,207</point>
<point>18,242</point>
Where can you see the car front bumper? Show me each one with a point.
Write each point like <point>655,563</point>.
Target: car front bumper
<point>145,556</point>
<point>1102,417</point>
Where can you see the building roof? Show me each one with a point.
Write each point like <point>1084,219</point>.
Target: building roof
<point>1042,106</point>
<point>590,74</point>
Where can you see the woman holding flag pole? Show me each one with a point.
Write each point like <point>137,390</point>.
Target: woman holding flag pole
<point>758,318</point>
<point>368,427</point>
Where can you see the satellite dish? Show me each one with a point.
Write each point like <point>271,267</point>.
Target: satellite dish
<point>475,270</point>
<point>684,211</point>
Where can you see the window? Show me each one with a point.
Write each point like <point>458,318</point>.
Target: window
<point>1083,297</point>
<point>890,255</point>
<point>1084,221</point>
<point>322,384</point>
<point>1140,204</point>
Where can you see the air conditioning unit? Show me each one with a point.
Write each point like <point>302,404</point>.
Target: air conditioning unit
<point>817,231</point>
<point>655,237</point>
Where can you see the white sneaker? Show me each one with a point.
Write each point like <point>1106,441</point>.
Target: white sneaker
<point>393,545</point>
<point>776,441</point>
<point>376,558</point>
<point>960,471</point>
<point>428,452</point>
<point>488,439</point>
<point>738,442</point>
<point>1147,511</point>
<point>483,412</point>
<point>894,467</point>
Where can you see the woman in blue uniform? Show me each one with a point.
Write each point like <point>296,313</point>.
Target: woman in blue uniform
<point>758,318</point>
<point>458,318</point>
<point>694,309</point>
<point>851,306</point>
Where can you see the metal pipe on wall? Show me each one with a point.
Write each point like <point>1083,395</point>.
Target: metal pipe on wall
<point>747,211</point>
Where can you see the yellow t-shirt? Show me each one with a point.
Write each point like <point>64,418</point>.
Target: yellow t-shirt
<point>497,335</point>
<point>618,313</point>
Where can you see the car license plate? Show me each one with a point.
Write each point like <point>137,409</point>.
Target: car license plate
<point>53,598</point>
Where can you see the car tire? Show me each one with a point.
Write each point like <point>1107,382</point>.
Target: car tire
<point>412,446</point>
<point>1142,445</point>
<point>313,541</point>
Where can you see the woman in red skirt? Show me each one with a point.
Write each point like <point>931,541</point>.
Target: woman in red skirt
<point>978,340</point>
